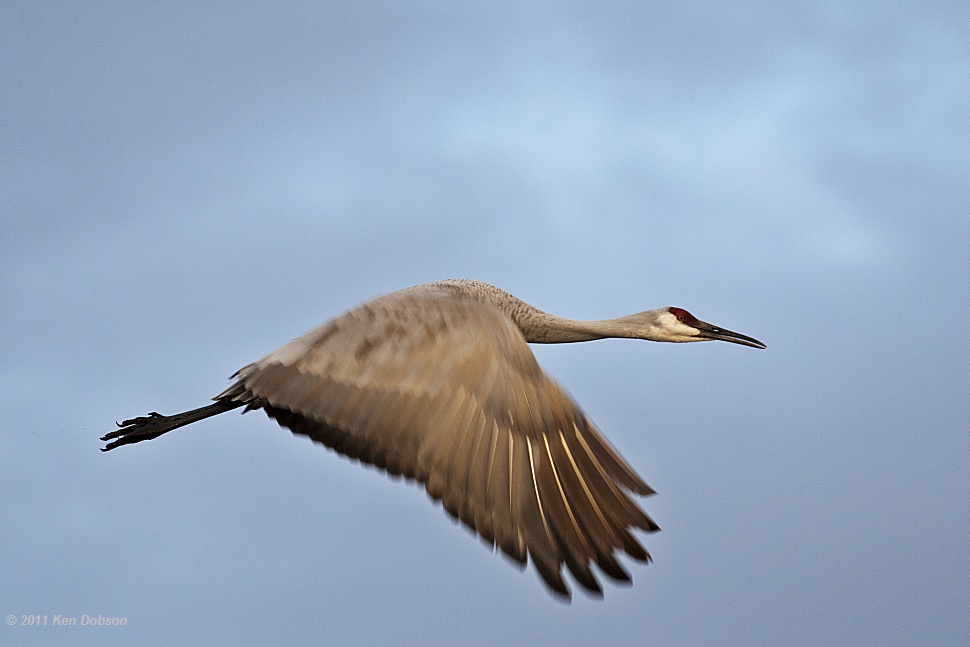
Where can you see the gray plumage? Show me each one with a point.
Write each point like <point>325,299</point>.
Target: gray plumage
<point>437,383</point>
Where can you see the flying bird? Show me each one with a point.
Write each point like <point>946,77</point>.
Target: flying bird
<point>437,383</point>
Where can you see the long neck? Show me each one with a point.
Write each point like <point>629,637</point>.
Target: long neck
<point>537,326</point>
<point>543,328</point>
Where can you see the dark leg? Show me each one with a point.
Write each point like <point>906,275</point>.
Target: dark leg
<point>155,424</point>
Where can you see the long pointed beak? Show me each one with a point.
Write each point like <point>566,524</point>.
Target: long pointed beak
<point>707,331</point>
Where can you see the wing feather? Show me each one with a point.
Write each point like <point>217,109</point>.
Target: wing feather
<point>445,390</point>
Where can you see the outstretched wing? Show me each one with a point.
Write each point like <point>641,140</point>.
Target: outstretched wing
<point>446,391</point>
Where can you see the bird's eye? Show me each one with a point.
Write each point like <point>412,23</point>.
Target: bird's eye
<point>681,314</point>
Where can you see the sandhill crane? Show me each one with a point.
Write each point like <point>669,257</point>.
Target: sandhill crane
<point>437,383</point>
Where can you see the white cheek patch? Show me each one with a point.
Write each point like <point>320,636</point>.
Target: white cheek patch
<point>677,330</point>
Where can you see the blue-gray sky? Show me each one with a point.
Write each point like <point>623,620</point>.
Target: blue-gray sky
<point>185,188</point>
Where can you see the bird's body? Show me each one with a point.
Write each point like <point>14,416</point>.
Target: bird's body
<point>437,383</point>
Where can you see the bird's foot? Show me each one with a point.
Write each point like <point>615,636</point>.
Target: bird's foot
<point>138,429</point>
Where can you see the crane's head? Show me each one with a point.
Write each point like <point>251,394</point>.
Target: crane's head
<point>678,325</point>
